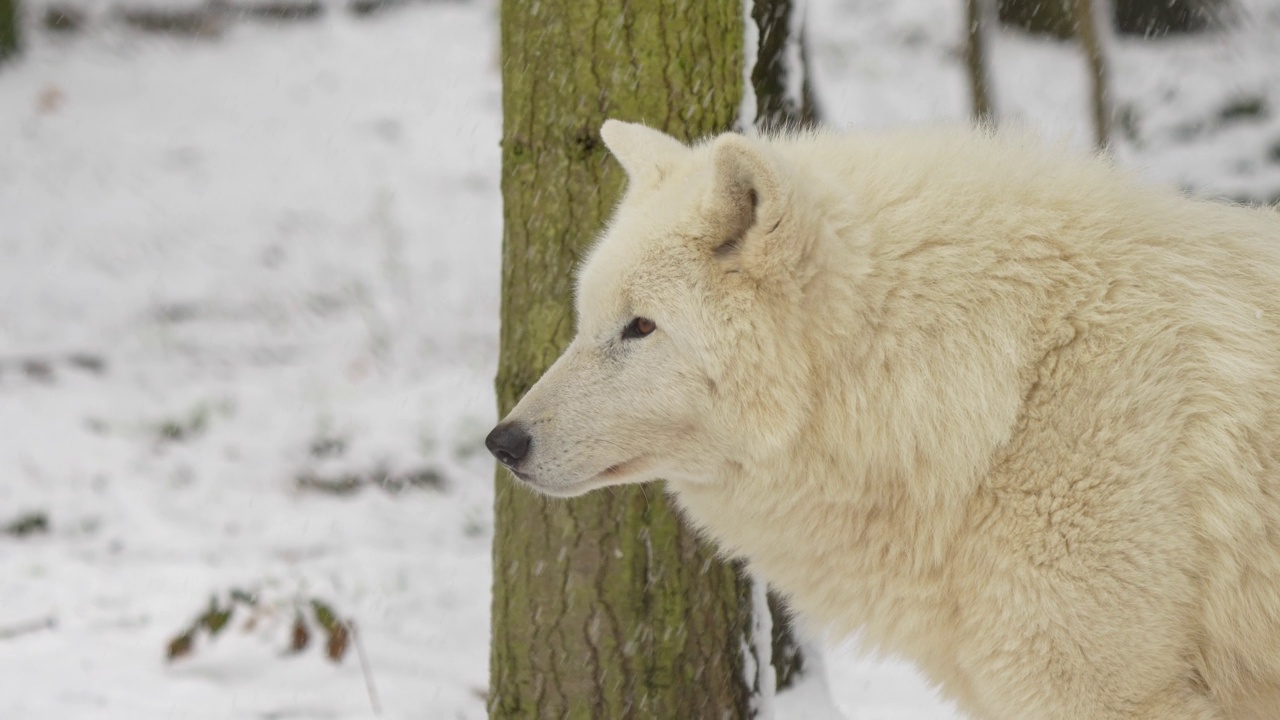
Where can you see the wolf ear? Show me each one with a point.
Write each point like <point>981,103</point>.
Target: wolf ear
<point>746,192</point>
<point>646,154</point>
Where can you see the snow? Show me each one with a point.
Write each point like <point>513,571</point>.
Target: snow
<point>747,110</point>
<point>292,232</point>
<point>764,677</point>
<point>234,267</point>
<point>794,62</point>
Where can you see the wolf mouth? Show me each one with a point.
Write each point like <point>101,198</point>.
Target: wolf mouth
<point>623,468</point>
<point>605,477</point>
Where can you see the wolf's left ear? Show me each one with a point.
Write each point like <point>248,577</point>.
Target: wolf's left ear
<point>646,154</point>
<point>746,193</point>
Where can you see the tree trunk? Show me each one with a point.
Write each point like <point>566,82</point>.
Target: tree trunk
<point>1088,15</point>
<point>780,77</point>
<point>606,605</point>
<point>9,33</point>
<point>978,18</point>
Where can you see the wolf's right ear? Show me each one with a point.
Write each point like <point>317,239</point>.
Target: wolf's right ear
<point>646,154</point>
<point>746,191</point>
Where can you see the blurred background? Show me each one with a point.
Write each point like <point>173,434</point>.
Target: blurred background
<point>249,304</point>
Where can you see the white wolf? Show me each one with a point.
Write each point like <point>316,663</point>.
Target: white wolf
<point>1002,409</point>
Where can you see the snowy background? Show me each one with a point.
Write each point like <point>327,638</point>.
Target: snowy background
<point>248,330</point>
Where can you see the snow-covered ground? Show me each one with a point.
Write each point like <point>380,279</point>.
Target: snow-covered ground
<point>240,273</point>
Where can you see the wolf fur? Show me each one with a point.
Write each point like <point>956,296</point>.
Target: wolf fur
<point>999,408</point>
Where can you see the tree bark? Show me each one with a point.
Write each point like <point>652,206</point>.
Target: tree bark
<point>606,605</point>
<point>9,28</point>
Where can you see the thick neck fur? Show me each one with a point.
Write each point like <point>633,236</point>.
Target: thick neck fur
<point>909,280</point>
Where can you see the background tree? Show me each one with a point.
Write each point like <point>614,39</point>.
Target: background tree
<point>978,21</point>
<point>780,78</point>
<point>1090,27</point>
<point>607,606</point>
<point>9,31</point>
<point>1149,18</point>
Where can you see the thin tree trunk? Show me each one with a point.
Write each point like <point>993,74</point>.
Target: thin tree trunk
<point>9,31</point>
<point>1088,19</point>
<point>978,17</point>
<point>780,77</point>
<point>605,606</point>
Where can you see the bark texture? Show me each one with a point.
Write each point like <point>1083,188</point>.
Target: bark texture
<point>605,606</point>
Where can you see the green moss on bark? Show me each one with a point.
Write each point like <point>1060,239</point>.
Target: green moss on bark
<point>603,606</point>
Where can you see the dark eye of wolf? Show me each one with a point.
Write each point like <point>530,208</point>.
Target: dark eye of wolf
<point>638,328</point>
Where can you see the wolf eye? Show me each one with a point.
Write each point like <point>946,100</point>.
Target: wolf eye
<point>638,328</point>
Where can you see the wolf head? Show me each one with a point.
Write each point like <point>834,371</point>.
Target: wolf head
<point>689,358</point>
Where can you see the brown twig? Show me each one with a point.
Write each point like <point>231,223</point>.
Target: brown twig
<point>364,668</point>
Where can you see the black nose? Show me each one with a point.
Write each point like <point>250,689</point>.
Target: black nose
<point>509,443</point>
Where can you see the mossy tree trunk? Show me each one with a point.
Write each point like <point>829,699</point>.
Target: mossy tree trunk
<point>606,605</point>
<point>9,30</point>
